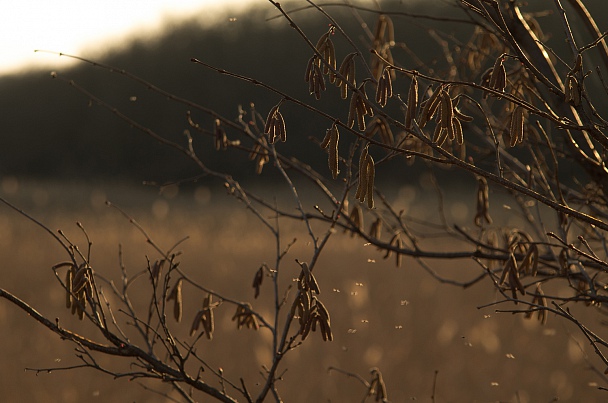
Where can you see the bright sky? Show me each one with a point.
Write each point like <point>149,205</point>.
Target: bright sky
<point>79,26</point>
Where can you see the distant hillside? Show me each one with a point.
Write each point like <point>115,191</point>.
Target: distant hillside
<point>47,128</point>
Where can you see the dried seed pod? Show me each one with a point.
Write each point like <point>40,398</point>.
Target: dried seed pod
<point>332,137</point>
<point>573,90</point>
<point>325,330</point>
<point>384,32</point>
<point>352,110</point>
<point>412,102</point>
<point>371,173</point>
<point>81,277</point>
<point>461,116</point>
<point>457,129</point>
<point>375,230</point>
<point>275,125</point>
<point>356,215</point>
<point>447,109</point>
<point>208,323</point>
<point>268,127</point>
<point>516,131</point>
<point>307,279</point>
<point>377,386</point>
<point>384,89</point>
<point>257,281</point>
<point>317,84</point>
<point>541,300</point>
<point>346,75</point>
<point>440,135</point>
<point>69,275</point>
<point>326,48</point>
<point>399,245</point>
<point>380,125</point>
<point>389,252</point>
<point>498,77</point>
<point>362,185</point>
<point>176,295</point>
<point>430,107</point>
<point>81,305</point>
<point>483,203</point>
<point>156,270</point>
<point>359,108</point>
<point>310,68</point>
<point>196,323</point>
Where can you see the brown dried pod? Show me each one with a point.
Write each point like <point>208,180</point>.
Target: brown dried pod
<point>326,48</point>
<point>457,128</point>
<point>573,90</point>
<point>483,203</point>
<point>81,305</point>
<point>356,215</point>
<point>257,281</point>
<point>362,185</point>
<point>430,107</point>
<point>332,137</point>
<point>325,330</point>
<point>516,130</point>
<point>346,75</point>
<point>69,275</point>
<point>380,125</point>
<point>447,111</point>
<point>310,68</point>
<point>377,386</point>
<point>307,279</point>
<point>384,88</point>
<point>352,110</point>
<point>498,77</point>
<point>412,102</point>
<point>395,242</point>
<point>371,174</point>
<point>156,270</point>
<point>317,84</point>
<point>81,277</point>
<point>375,230</point>
<point>440,135</point>
<point>208,323</point>
<point>176,295</point>
<point>361,107</point>
<point>461,116</point>
<point>196,323</point>
<point>384,32</point>
<point>280,131</point>
<point>268,127</point>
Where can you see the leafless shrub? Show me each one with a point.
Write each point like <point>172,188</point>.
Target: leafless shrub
<point>521,108</point>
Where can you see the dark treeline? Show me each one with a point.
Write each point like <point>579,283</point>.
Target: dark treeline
<point>49,130</point>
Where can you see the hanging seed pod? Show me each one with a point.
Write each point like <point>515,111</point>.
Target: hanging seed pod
<point>498,77</point>
<point>483,203</point>
<point>430,107</point>
<point>176,295</point>
<point>347,75</point>
<point>384,89</point>
<point>516,130</point>
<point>412,102</point>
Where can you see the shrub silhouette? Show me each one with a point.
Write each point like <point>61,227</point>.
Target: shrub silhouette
<point>504,110</point>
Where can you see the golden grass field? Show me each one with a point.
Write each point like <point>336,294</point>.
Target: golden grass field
<point>397,319</point>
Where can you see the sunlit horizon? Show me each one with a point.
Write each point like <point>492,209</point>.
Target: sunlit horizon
<point>90,28</point>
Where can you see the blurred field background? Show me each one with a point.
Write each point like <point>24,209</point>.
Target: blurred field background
<point>400,320</point>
